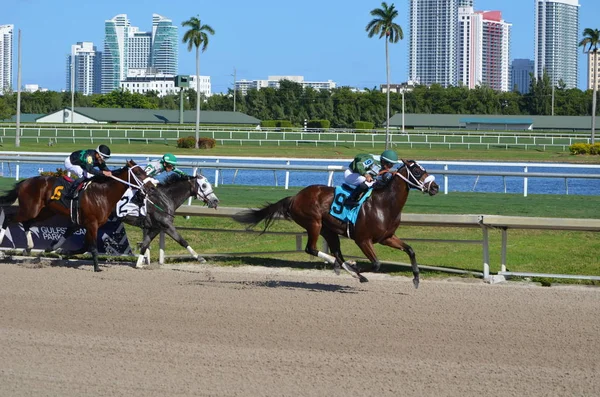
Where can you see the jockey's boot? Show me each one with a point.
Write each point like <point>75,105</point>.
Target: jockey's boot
<point>354,198</point>
<point>73,188</point>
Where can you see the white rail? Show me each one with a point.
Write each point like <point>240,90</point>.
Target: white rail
<point>484,222</point>
<point>200,163</point>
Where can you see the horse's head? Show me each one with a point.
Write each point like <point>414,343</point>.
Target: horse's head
<point>418,178</point>
<point>134,175</point>
<point>204,191</point>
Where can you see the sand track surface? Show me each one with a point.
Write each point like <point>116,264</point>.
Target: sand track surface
<point>185,330</point>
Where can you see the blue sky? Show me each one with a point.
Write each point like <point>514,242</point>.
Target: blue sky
<point>320,40</point>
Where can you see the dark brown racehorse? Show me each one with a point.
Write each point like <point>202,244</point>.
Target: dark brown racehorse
<point>39,199</point>
<point>377,221</point>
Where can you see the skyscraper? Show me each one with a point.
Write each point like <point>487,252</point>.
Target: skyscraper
<point>521,71</point>
<point>164,45</point>
<point>6,57</point>
<point>433,41</point>
<point>470,47</point>
<point>87,64</point>
<point>496,51</point>
<point>126,47</point>
<point>556,40</point>
<point>114,59</point>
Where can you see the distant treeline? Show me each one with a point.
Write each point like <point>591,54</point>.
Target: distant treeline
<point>341,106</point>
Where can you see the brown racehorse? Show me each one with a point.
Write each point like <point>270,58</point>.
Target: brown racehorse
<point>377,221</point>
<point>39,199</point>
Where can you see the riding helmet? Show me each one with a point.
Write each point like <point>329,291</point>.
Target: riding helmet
<point>104,151</point>
<point>169,158</point>
<point>390,156</point>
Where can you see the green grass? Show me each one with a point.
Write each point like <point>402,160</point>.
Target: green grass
<point>528,251</point>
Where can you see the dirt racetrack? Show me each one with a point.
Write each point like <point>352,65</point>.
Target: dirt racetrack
<point>201,330</point>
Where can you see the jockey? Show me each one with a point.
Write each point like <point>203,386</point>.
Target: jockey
<point>362,172</point>
<point>82,163</point>
<point>163,168</point>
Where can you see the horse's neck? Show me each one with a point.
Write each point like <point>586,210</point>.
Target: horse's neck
<point>178,191</point>
<point>394,195</point>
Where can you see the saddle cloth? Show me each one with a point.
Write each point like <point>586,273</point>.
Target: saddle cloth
<point>127,205</point>
<point>338,210</point>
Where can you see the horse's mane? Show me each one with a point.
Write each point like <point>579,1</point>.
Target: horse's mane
<point>174,178</point>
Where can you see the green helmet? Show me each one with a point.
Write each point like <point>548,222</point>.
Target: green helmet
<point>169,158</point>
<point>390,156</point>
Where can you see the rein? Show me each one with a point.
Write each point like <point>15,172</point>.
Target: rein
<point>422,186</point>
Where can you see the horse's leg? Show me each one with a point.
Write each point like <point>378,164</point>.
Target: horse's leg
<point>174,234</point>
<point>395,242</point>
<point>333,240</point>
<point>147,238</point>
<point>91,239</point>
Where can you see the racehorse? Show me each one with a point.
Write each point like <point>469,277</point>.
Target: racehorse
<point>377,220</point>
<point>162,203</point>
<point>40,198</point>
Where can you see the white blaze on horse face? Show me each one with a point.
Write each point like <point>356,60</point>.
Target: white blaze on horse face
<point>205,192</point>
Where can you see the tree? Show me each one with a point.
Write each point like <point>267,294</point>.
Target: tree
<point>590,42</point>
<point>197,36</point>
<point>383,25</point>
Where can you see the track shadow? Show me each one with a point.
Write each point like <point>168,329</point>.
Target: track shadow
<point>291,285</point>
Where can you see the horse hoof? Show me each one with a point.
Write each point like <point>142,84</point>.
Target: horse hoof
<point>362,279</point>
<point>336,269</point>
<point>416,282</point>
<point>97,270</point>
<point>201,260</point>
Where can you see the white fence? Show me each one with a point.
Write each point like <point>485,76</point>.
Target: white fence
<point>484,222</point>
<point>217,164</point>
<point>298,137</point>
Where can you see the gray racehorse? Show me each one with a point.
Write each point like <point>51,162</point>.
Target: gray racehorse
<point>161,206</point>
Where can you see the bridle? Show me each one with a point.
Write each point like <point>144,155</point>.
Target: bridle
<point>414,173</point>
<point>131,176</point>
<point>201,193</point>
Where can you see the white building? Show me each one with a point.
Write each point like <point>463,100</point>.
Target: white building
<point>34,88</point>
<point>86,62</point>
<point>556,29</point>
<point>470,47</point>
<point>6,59</point>
<point>433,41</point>
<point>126,47</point>
<point>243,86</point>
<point>141,81</point>
<point>593,64</point>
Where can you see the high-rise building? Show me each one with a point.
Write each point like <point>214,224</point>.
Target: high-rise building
<point>6,57</point>
<point>114,56</point>
<point>165,45</point>
<point>556,40</point>
<point>434,41</point>
<point>126,47</point>
<point>520,75</point>
<point>470,47</point>
<point>593,63</point>
<point>483,49</point>
<point>86,62</point>
<point>242,86</point>
<point>496,51</point>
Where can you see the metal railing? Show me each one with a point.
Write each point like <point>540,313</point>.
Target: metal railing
<point>201,163</point>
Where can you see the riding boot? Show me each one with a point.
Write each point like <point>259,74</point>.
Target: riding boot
<point>73,188</point>
<point>354,198</point>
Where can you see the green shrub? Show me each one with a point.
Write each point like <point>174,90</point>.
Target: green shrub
<point>276,123</point>
<point>187,142</point>
<point>580,148</point>
<point>320,124</point>
<point>206,143</point>
<point>58,172</point>
<point>363,125</point>
<point>595,148</point>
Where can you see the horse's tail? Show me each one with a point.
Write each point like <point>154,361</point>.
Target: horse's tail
<point>11,196</point>
<point>267,213</point>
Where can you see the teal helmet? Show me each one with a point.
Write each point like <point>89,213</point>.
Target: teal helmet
<point>390,156</point>
<point>169,158</point>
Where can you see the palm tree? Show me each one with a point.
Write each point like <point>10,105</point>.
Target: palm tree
<point>590,41</point>
<point>197,36</point>
<point>383,25</point>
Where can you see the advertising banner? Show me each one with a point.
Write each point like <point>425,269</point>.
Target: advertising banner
<point>112,238</point>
